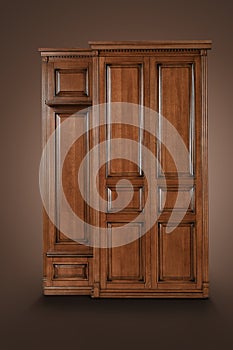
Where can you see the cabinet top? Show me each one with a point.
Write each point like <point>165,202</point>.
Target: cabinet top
<point>179,44</point>
<point>132,45</point>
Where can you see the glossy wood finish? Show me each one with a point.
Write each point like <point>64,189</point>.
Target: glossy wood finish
<point>171,78</point>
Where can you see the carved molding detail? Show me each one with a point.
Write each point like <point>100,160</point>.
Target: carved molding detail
<point>196,51</point>
<point>68,56</point>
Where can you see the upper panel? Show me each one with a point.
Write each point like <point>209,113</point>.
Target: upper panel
<point>70,81</point>
<point>176,102</point>
<point>123,81</point>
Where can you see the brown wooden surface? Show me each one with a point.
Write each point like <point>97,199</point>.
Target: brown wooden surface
<point>181,44</point>
<point>169,77</point>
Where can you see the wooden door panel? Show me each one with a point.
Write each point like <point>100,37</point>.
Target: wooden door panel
<point>167,196</point>
<point>118,199</point>
<point>59,241</point>
<point>124,83</point>
<point>67,271</point>
<point>122,80</point>
<point>69,176</point>
<point>176,101</point>
<point>125,263</point>
<point>174,81</point>
<point>177,253</point>
<point>70,81</point>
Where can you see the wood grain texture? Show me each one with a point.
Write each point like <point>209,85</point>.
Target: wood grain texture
<point>176,104</point>
<point>171,78</point>
<point>177,253</point>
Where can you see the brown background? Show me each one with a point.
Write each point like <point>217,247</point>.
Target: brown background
<point>32,321</point>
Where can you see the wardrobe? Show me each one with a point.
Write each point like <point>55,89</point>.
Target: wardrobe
<point>140,101</point>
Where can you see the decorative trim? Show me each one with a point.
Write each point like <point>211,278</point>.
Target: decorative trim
<point>151,50</point>
<point>95,293</point>
<point>59,101</point>
<point>205,287</point>
<point>152,294</point>
<point>69,56</point>
<point>203,52</point>
<point>151,45</point>
<point>52,53</point>
<point>204,166</point>
<point>67,290</point>
<point>68,255</point>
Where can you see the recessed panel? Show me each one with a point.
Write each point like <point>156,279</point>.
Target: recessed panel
<point>125,199</point>
<point>125,263</point>
<point>67,177</point>
<point>177,105</point>
<point>70,271</point>
<point>71,82</point>
<point>124,84</point>
<point>177,253</point>
<point>169,195</point>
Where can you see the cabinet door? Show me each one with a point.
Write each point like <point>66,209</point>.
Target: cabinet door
<point>175,92</point>
<point>124,267</point>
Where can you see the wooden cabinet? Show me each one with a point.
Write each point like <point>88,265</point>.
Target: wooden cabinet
<point>169,78</point>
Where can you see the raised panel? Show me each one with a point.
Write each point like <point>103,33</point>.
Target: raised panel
<point>124,83</point>
<point>176,102</point>
<point>67,271</point>
<point>118,199</point>
<point>71,82</point>
<point>125,263</point>
<point>168,196</point>
<point>69,178</point>
<point>177,253</point>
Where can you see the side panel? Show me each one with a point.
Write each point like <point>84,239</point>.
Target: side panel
<point>68,267</point>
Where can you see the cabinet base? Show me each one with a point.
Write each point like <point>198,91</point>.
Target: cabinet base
<point>198,294</point>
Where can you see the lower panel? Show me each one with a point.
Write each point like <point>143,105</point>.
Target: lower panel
<point>124,266</point>
<point>177,252</point>
<point>125,263</point>
<point>68,274</point>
